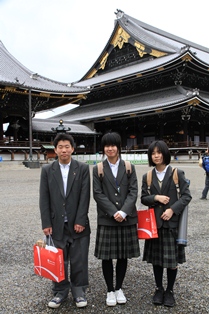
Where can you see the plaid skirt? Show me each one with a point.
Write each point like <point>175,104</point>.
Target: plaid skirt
<point>164,250</point>
<point>116,242</point>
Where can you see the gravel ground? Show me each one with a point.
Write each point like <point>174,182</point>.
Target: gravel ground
<point>24,292</point>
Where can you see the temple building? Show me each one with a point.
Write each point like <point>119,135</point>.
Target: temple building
<point>146,84</point>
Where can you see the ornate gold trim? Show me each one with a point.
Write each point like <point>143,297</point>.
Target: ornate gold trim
<point>193,102</point>
<point>103,61</point>
<point>120,37</point>
<point>186,58</point>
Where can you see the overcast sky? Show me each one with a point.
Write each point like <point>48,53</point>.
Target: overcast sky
<point>61,39</point>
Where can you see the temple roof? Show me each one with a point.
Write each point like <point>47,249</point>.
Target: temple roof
<point>12,72</point>
<point>46,126</point>
<point>165,100</point>
<point>161,47</point>
<point>16,81</point>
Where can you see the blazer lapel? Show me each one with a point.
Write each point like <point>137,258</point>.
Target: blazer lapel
<point>58,177</point>
<point>121,171</point>
<point>155,182</point>
<point>71,175</point>
<point>166,181</point>
<point>109,175</point>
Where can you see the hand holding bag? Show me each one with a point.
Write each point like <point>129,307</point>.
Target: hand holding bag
<point>48,261</point>
<point>147,227</point>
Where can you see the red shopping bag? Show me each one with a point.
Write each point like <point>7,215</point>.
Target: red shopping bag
<point>147,227</point>
<point>48,262</point>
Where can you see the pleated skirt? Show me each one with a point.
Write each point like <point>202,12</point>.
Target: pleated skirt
<point>164,250</point>
<point>116,242</point>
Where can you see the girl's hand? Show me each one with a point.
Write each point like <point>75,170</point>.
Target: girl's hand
<point>167,214</point>
<point>162,199</point>
<point>118,217</point>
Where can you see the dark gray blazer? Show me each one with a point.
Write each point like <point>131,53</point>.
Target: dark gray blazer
<point>109,199</point>
<point>54,204</point>
<point>168,189</point>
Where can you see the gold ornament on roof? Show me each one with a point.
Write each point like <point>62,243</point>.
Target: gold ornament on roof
<point>120,37</point>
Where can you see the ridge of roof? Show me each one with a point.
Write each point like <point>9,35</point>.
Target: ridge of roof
<point>149,36</point>
<point>143,35</point>
<point>166,34</point>
<point>14,73</point>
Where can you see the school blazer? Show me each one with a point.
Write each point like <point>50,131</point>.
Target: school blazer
<point>111,197</point>
<point>168,189</point>
<point>54,203</point>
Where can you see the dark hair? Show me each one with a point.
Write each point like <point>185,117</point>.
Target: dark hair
<point>111,139</point>
<point>63,137</point>
<point>162,148</point>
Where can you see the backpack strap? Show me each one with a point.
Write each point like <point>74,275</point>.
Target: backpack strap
<point>128,168</point>
<point>100,170</point>
<point>149,180</point>
<point>176,181</point>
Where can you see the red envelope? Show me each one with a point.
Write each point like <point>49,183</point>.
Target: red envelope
<point>49,263</point>
<point>147,227</point>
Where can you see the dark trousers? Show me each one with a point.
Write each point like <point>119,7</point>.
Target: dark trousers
<point>206,189</point>
<point>75,253</point>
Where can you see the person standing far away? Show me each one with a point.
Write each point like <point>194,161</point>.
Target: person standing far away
<point>204,163</point>
<point>164,252</point>
<point>64,203</point>
<point>115,194</point>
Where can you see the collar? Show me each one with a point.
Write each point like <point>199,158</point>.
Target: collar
<point>64,166</point>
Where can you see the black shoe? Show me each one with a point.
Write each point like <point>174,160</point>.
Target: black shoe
<point>169,298</point>
<point>80,302</point>
<point>203,198</point>
<point>55,302</point>
<point>158,296</point>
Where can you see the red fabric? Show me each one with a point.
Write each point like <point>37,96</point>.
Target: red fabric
<point>147,227</point>
<point>49,264</point>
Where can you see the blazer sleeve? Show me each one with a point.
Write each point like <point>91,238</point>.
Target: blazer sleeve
<point>44,198</point>
<point>146,198</point>
<point>185,195</point>
<point>84,196</point>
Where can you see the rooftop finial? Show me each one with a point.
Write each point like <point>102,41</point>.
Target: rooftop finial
<point>119,14</point>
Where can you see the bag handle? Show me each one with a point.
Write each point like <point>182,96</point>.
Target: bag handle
<point>49,241</point>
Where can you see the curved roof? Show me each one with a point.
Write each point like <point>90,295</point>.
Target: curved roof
<point>12,72</point>
<point>47,125</point>
<point>170,99</point>
<point>147,40</point>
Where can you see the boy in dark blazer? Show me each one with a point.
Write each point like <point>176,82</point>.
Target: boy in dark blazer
<point>64,204</point>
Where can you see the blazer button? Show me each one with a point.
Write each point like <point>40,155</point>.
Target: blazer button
<point>63,204</point>
<point>116,203</point>
<point>116,194</point>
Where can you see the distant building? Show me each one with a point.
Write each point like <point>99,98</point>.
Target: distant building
<point>146,84</point>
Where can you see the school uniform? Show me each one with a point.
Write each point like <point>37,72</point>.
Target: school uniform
<point>116,239</point>
<point>164,250</point>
